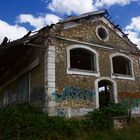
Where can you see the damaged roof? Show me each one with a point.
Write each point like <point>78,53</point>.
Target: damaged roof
<point>40,36</point>
<point>12,51</point>
<point>85,15</point>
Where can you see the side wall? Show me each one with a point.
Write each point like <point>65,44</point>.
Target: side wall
<point>34,70</point>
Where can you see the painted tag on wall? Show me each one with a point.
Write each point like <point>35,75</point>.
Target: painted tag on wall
<point>73,93</point>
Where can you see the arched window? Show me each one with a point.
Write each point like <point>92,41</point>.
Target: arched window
<point>82,60</point>
<point>121,65</point>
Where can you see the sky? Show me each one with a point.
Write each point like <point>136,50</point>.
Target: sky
<point>17,17</point>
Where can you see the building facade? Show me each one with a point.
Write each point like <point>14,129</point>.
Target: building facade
<point>72,67</point>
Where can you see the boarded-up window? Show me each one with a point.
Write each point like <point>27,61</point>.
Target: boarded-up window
<point>82,59</point>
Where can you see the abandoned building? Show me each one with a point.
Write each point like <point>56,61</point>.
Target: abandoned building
<point>72,67</point>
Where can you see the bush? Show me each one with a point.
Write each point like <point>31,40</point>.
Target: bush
<point>101,118</point>
<point>22,122</point>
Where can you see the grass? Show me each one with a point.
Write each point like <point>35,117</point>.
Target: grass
<point>130,133</point>
<point>24,122</point>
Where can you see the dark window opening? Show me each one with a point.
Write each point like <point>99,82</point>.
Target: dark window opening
<point>105,93</point>
<point>82,59</point>
<point>102,33</point>
<point>121,65</point>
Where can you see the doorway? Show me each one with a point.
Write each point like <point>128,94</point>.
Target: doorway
<point>106,95</point>
<point>105,85</point>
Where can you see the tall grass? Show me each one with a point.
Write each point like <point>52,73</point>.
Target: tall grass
<point>24,122</point>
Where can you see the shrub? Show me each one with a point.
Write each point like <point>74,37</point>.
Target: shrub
<point>101,118</point>
<point>22,122</point>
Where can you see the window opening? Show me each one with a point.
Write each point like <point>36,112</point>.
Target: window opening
<point>121,65</point>
<point>102,33</point>
<point>82,59</point>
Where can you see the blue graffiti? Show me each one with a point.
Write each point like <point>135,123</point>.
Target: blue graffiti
<point>70,93</point>
<point>61,112</point>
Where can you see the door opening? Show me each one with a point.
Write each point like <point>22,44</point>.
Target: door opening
<point>106,95</point>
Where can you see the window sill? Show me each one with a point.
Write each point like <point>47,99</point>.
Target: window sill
<point>123,76</point>
<point>83,72</point>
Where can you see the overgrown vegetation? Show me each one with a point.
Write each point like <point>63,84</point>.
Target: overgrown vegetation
<point>24,122</point>
<point>101,118</point>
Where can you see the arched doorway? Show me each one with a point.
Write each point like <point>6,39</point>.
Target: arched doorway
<point>106,91</point>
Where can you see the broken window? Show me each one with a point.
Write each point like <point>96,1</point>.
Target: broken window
<point>121,65</point>
<point>82,59</point>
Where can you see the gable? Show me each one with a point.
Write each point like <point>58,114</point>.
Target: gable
<point>87,31</point>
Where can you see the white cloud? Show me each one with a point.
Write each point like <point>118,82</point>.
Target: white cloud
<point>38,22</point>
<point>135,24</point>
<point>108,3</point>
<point>66,7</point>
<point>71,6</point>
<point>81,6</point>
<point>11,31</point>
<point>134,37</point>
<point>15,31</point>
<point>133,29</point>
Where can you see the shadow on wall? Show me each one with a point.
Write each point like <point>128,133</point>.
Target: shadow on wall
<point>37,96</point>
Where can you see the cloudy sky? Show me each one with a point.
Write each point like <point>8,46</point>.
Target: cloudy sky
<point>17,17</point>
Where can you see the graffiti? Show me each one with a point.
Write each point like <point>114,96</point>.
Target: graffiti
<point>61,112</point>
<point>72,93</point>
<point>131,103</point>
<point>123,95</point>
<point>73,111</point>
<point>130,100</point>
<point>135,110</point>
<point>75,103</point>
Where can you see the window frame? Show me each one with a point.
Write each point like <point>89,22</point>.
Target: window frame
<point>78,71</point>
<point>122,76</point>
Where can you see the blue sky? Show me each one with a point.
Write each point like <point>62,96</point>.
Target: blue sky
<point>17,17</point>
